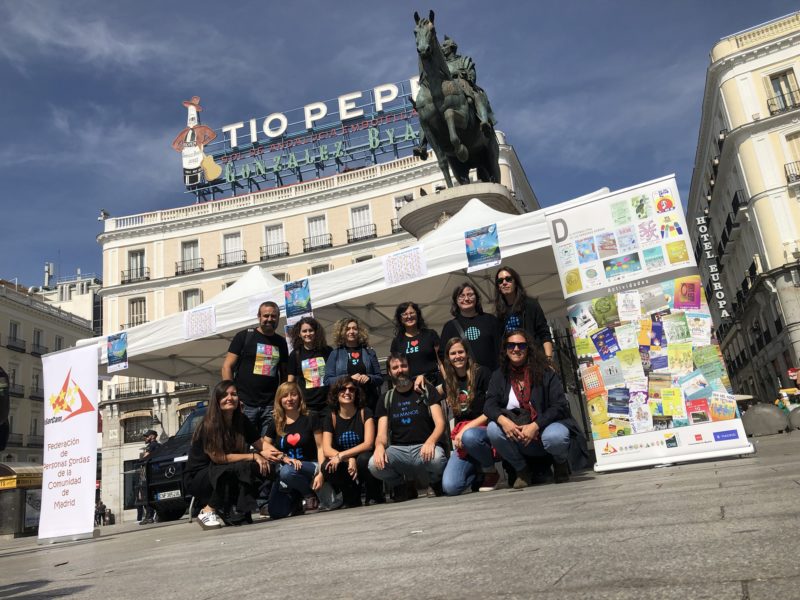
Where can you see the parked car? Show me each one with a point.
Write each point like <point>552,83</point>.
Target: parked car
<point>164,470</point>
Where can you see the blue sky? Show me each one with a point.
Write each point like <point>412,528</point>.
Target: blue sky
<point>590,93</point>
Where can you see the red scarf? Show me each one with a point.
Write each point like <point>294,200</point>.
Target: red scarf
<point>521,381</point>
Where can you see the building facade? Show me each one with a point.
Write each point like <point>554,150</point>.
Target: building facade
<point>30,326</point>
<point>744,203</point>
<point>159,263</point>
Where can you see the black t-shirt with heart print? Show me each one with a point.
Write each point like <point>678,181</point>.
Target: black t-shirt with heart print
<point>355,361</point>
<point>420,350</point>
<point>298,439</point>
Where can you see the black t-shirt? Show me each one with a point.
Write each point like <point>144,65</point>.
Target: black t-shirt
<point>483,334</point>
<point>198,459</point>
<point>257,371</point>
<point>308,368</point>
<point>348,433</point>
<point>410,420</point>
<point>298,439</point>
<point>475,409</point>
<point>420,350</point>
<point>355,361</point>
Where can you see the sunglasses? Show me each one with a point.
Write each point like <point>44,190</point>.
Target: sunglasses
<point>348,388</point>
<point>519,345</point>
<point>506,279</point>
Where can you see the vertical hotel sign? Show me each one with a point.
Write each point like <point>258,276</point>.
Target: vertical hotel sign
<point>655,385</point>
<point>70,444</point>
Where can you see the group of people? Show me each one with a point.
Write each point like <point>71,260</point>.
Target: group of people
<point>313,429</point>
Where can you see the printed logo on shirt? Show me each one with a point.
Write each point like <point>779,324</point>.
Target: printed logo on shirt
<point>267,359</point>
<point>313,371</point>
<point>354,357</point>
<point>348,439</point>
<point>513,323</point>
<point>404,410</point>
<point>288,445</point>
<point>463,400</point>
<point>412,346</point>
<point>472,333</point>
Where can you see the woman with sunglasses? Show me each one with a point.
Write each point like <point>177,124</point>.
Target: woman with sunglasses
<point>353,356</point>
<point>529,413</point>
<point>348,436</point>
<point>222,472</point>
<point>418,343</point>
<point>465,384</point>
<point>480,330</point>
<point>307,363</point>
<point>297,435</point>
<point>516,310</point>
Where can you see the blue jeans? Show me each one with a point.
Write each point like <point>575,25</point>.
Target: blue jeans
<point>459,474</point>
<point>405,464</point>
<point>554,440</point>
<point>289,484</point>
<point>260,416</point>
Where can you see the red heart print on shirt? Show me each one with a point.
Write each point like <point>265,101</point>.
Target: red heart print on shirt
<point>293,439</point>
<point>355,354</point>
<point>414,342</point>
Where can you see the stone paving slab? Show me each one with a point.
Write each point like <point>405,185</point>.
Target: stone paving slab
<point>719,529</point>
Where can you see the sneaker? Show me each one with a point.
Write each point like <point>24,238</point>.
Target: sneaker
<point>311,503</point>
<point>524,478</point>
<point>561,472</point>
<point>489,482</point>
<point>434,490</point>
<point>208,520</point>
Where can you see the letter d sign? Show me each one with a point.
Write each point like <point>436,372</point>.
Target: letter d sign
<point>560,230</point>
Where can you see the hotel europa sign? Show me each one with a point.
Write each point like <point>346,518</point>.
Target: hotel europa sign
<point>717,293</point>
<point>355,130</point>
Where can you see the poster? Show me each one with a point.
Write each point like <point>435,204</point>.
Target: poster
<point>199,322</point>
<point>404,265</point>
<point>117,352</point>
<point>483,248</point>
<point>69,465</point>
<point>297,299</point>
<point>655,383</point>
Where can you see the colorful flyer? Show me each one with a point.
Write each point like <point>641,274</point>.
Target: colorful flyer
<point>606,244</point>
<point>117,352</point>
<point>587,251</point>
<point>622,267</point>
<point>631,364</point>
<point>699,328</point>
<point>618,402</point>
<point>611,371</point>
<point>581,320</point>
<point>687,292</point>
<point>404,265</point>
<point>653,299</point>
<point>572,281</point>
<point>584,347</point>
<point>677,252</point>
<point>641,417</point>
<point>653,258</point>
<point>680,358</point>
<point>641,206</point>
<point>698,411</point>
<point>605,342</point>
<point>676,329</point>
<point>722,406</point>
<point>627,336</point>
<point>592,381</point>
<point>598,412</point>
<point>672,402</point>
<point>620,213</point>
<point>605,310</point>
<point>629,305</point>
<point>297,298</point>
<point>626,239</point>
<point>483,248</point>
<point>694,385</point>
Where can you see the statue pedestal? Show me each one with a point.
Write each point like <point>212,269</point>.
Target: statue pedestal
<point>426,213</point>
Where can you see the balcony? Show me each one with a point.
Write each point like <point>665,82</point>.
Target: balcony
<point>134,275</point>
<point>193,265</point>
<point>38,349</point>
<point>231,259</point>
<point>16,344</point>
<point>133,389</point>
<point>37,393</point>
<point>723,133</point>
<point>317,242</point>
<point>363,232</point>
<point>182,386</point>
<point>35,441</point>
<point>133,323</point>
<point>396,228</point>
<point>792,170</point>
<point>784,102</point>
<point>17,390</point>
<point>15,439</point>
<point>271,251</point>
<point>738,201</point>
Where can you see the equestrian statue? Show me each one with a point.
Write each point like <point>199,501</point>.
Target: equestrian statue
<point>454,113</point>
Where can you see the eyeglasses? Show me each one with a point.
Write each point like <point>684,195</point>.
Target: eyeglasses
<point>506,279</point>
<point>518,345</point>
<point>407,316</point>
<point>466,296</point>
<point>349,389</point>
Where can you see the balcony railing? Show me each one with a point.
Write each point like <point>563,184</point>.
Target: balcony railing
<point>193,265</point>
<point>134,275</point>
<point>182,386</point>
<point>16,389</point>
<point>274,250</point>
<point>35,441</point>
<point>396,228</point>
<point>317,242</point>
<point>37,393</point>
<point>784,102</point>
<point>133,323</point>
<point>16,344</point>
<point>38,349</point>
<point>15,439</point>
<point>231,259</point>
<point>363,232</point>
<point>792,170</point>
<point>133,388</point>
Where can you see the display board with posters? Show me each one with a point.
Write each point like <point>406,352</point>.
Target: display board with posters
<point>654,381</point>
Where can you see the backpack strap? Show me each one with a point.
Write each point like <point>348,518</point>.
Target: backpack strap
<point>251,333</point>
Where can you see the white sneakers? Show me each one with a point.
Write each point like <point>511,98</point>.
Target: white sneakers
<point>495,480</point>
<point>209,520</point>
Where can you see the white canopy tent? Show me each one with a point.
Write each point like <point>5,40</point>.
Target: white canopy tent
<point>159,349</point>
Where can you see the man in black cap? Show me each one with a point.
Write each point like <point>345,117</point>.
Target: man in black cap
<point>146,511</point>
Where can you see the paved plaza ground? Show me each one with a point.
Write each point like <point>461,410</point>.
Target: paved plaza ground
<point>718,529</point>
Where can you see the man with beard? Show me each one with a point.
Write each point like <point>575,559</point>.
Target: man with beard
<point>256,363</point>
<point>410,425</point>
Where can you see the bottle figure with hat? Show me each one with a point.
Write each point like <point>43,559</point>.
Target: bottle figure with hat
<point>190,143</point>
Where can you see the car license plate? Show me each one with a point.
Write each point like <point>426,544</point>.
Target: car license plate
<point>170,494</point>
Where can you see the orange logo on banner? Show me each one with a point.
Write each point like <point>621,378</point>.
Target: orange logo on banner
<point>67,398</point>
<point>609,449</point>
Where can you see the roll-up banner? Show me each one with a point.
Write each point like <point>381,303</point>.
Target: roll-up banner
<point>70,445</point>
<point>655,385</point>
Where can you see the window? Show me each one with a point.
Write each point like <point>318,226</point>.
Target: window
<point>134,428</point>
<point>225,286</point>
<point>191,299</point>
<point>231,242</point>
<point>34,425</point>
<point>136,263</point>
<point>401,201</point>
<point>273,234</point>
<point>190,251</point>
<point>784,91</point>
<point>319,269</point>
<point>317,226</point>
<point>12,374</point>
<point>36,380</point>
<point>281,276</point>
<point>362,258</point>
<point>793,141</point>
<point>130,468</point>
<point>137,312</point>
<point>14,330</point>
<point>59,345</point>
<point>360,217</point>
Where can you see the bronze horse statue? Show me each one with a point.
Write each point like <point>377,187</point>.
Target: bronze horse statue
<point>448,119</point>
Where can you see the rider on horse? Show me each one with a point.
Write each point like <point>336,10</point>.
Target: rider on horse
<point>462,68</point>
